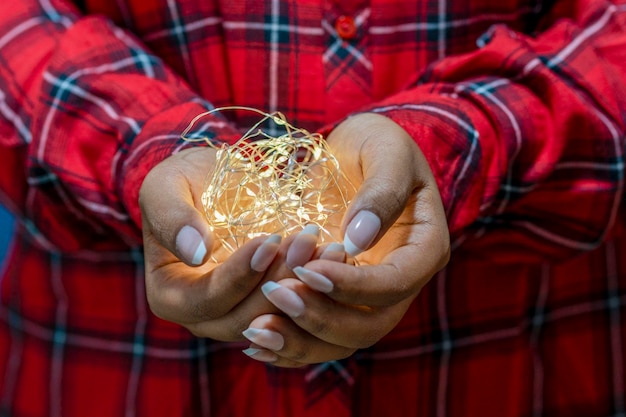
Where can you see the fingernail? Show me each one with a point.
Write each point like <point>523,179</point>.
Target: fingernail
<point>190,245</point>
<point>310,229</point>
<point>264,255</point>
<point>314,280</point>
<point>303,246</point>
<point>264,338</point>
<point>283,298</point>
<point>261,354</point>
<point>334,252</point>
<point>361,232</point>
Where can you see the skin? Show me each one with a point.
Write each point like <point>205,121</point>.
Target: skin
<point>366,301</point>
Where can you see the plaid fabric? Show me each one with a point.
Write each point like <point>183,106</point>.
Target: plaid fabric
<point>519,106</point>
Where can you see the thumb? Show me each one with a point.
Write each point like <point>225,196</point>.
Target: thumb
<point>389,162</point>
<point>169,199</point>
<point>377,205</point>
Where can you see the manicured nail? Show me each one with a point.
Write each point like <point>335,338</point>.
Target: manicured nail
<point>361,232</point>
<point>190,245</point>
<point>261,354</point>
<point>264,338</point>
<point>314,280</point>
<point>264,255</point>
<point>303,246</point>
<point>310,229</point>
<point>283,298</point>
<point>334,252</point>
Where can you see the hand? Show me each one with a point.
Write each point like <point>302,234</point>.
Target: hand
<point>396,228</point>
<point>183,285</point>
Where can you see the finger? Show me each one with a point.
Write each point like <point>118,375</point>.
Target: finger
<point>335,323</point>
<point>186,295</point>
<point>333,252</point>
<point>277,340</point>
<point>302,248</point>
<point>379,285</point>
<point>295,250</point>
<point>389,178</point>
<point>169,210</point>
<point>230,326</point>
<point>400,274</point>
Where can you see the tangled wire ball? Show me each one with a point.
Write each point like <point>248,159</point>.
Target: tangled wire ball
<point>264,184</point>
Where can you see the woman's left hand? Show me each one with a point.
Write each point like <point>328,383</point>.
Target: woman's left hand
<point>395,228</point>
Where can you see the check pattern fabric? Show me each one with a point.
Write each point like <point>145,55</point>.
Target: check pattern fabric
<point>518,105</point>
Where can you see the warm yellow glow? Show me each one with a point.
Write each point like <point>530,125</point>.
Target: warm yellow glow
<point>264,184</point>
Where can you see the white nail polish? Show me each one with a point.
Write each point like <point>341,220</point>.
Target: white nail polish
<point>199,254</point>
<point>190,245</point>
<point>251,351</point>
<point>314,280</point>
<point>261,355</point>
<point>361,232</point>
<point>269,286</point>
<point>334,252</point>
<point>265,338</point>
<point>264,255</point>
<point>287,300</point>
<point>334,247</point>
<point>311,229</point>
<point>251,333</point>
<point>351,249</point>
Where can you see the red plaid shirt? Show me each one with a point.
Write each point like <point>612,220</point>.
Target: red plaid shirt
<point>519,105</point>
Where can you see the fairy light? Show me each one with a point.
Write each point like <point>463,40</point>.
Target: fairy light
<point>264,184</point>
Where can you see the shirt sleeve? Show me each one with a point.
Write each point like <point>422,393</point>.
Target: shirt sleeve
<point>525,135</point>
<point>85,113</point>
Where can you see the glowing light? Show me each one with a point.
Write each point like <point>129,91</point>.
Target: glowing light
<point>264,184</point>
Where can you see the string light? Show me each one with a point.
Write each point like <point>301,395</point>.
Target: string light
<point>267,184</point>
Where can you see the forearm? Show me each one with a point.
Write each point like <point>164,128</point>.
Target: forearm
<point>91,112</point>
<point>525,136</point>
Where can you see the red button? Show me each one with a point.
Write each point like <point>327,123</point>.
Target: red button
<point>345,27</point>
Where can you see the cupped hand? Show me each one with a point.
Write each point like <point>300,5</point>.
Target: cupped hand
<point>183,284</point>
<point>395,227</point>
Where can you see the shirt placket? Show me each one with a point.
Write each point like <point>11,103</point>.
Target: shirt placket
<point>347,64</point>
<point>330,386</point>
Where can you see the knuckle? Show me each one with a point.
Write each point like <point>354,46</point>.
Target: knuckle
<point>320,327</point>
<point>242,287</point>
<point>235,328</point>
